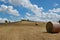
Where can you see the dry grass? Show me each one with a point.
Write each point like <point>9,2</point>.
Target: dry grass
<point>26,31</point>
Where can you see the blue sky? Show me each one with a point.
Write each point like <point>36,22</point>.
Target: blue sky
<point>35,10</point>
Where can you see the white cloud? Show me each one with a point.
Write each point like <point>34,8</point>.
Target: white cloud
<point>39,14</point>
<point>28,14</point>
<point>2,20</point>
<point>55,10</point>
<point>9,10</point>
<point>27,4</point>
<point>51,15</point>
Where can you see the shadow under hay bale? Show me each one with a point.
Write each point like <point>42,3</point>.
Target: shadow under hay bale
<point>53,27</point>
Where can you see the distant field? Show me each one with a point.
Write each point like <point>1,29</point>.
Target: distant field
<point>26,31</point>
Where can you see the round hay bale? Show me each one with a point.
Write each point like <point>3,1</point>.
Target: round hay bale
<point>53,27</point>
<point>49,27</point>
<point>36,24</point>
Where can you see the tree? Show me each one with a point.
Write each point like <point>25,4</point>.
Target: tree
<point>5,21</point>
<point>59,21</point>
<point>27,19</point>
<point>23,20</point>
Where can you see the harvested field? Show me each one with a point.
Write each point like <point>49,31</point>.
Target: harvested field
<point>26,31</point>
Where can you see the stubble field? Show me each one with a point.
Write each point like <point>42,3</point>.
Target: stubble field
<point>26,31</point>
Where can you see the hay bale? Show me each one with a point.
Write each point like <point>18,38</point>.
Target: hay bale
<point>49,27</point>
<point>53,27</point>
<point>36,24</point>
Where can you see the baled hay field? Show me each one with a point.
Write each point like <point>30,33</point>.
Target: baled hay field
<point>26,31</point>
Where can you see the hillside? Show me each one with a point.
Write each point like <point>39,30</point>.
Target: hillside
<point>24,23</point>
<point>26,30</point>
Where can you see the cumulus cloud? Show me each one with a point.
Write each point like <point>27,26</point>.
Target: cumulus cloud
<point>9,10</point>
<point>57,10</point>
<point>48,16</point>
<point>51,15</point>
<point>2,20</point>
<point>27,4</point>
